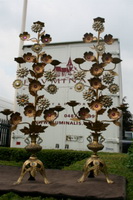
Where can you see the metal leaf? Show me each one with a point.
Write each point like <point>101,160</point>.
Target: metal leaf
<point>100,112</point>
<point>75,119</point>
<point>55,62</point>
<point>36,128</point>
<point>39,97</point>
<point>30,80</point>
<point>58,108</point>
<point>25,130</point>
<point>113,73</point>
<point>117,123</point>
<point>72,103</point>
<point>32,93</point>
<point>116,60</point>
<point>38,113</point>
<point>32,73</point>
<point>19,60</point>
<point>79,60</point>
<point>13,128</point>
<point>52,123</point>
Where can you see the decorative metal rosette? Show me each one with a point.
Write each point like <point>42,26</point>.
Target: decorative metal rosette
<point>106,101</point>
<point>17,84</point>
<point>98,24</point>
<point>36,48</point>
<point>24,36</point>
<point>96,105</point>
<point>37,26</point>
<point>84,113</point>
<point>114,114</point>
<point>95,83</point>
<point>30,110</point>
<point>50,115</point>
<point>100,48</point>
<point>89,56</point>
<point>80,75</point>
<point>46,58</point>
<point>35,86</point>
<point>15,118</point>
<point>108,39</point>
<point>22,72</point>
<point>22,100</point>
<point>89,94</point>
<point>88,37</point>
<point>43,103</point>
<point>50,75</point>
<point>96,70</point>
<point>28,57</point>
<point>46,39</point>
<point>108,78</point>
<point>52,89</point>
<point>107,58</point>
<point>79,87</point>
<point>114,88</point>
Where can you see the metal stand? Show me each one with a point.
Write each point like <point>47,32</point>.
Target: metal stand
<point>32,165</point>
<point>94,165</point>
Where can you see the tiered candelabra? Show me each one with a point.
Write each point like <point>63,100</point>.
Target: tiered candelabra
<point>102,72</point>
<point>34,102</point>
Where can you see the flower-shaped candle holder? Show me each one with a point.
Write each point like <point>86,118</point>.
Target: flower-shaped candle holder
<point>102,73</point>
<point>35,104</point>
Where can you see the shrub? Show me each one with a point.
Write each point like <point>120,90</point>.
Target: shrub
<point>5,154</point>
<point>52,159</point>
<point>57,159</point>
<point>130,157</point>
<point>13,196</point>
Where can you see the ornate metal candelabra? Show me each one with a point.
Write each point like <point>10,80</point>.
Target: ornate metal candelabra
<point>102,72</point>
<point>34,102</point>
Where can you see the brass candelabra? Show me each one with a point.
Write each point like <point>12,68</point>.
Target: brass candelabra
<point>34,102</point>
<point>101,65</point>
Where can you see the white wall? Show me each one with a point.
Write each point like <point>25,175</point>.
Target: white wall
<point>57,135</point>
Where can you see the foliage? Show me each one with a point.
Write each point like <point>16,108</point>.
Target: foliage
<point>13,154</point>
<point>13,196</point>
<point>130,158</point>
<point>11,163</point>
<point>116,164</point>
<point>55,159</point>
<point>127,117</point>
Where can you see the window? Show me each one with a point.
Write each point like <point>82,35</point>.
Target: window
<point>57,146</point>
<point>66,146</point>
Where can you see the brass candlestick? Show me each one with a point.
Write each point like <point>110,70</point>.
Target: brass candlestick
<point>34,103</point>
<point>103,73</point>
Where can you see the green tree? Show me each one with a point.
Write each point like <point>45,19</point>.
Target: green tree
<point>127,117</point>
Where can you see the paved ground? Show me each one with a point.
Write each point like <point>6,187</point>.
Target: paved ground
<point>63,184</point>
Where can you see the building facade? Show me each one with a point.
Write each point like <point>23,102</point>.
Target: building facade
<point>69,134</point>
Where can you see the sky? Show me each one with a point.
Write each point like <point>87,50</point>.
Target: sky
<point>65,20</point>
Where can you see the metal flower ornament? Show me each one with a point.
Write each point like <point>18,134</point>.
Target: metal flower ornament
<point>35,104</point>
<point>101,66</point>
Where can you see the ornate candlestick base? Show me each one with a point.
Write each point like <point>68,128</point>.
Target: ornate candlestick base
<point>32,165</point>
<point>94,165</point>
